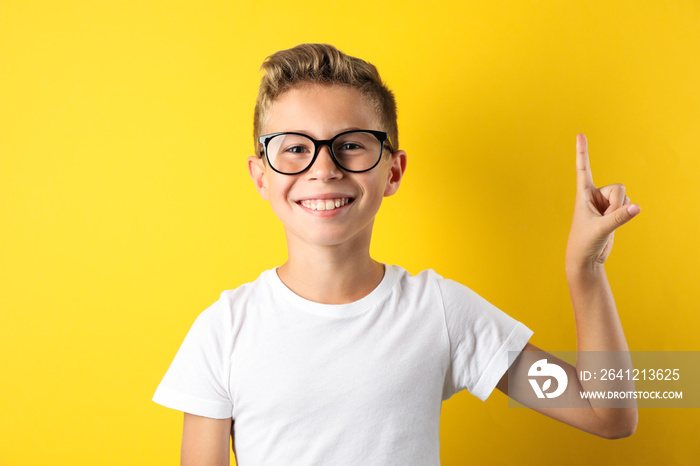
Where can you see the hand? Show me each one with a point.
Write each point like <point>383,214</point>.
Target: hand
<point>598,212</point>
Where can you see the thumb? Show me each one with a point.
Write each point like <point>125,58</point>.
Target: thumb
<point>621,215</point>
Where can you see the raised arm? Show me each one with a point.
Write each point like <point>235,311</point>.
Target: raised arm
<point>205,441</point>
<point>598,212</point>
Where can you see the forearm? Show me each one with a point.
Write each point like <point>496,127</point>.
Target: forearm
<point>601,344</point>
<point>598,326</point>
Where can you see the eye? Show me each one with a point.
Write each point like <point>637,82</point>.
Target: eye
<point>296,149</point>
<point>350,146</point>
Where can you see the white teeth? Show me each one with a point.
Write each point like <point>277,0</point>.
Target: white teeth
<point>324,204</point>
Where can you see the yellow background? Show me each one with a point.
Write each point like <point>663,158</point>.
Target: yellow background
<point>126,207</point>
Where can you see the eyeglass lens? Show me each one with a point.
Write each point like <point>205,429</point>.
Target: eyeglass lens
<point>293,153</point>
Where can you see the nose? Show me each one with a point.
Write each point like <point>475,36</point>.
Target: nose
<point>324,167</point>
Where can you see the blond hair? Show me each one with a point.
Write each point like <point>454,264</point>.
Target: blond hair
<point>323,64</point>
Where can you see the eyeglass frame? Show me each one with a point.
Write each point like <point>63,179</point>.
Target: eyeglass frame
<point>382,136</point>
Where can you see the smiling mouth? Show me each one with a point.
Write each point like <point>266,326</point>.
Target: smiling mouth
<point>325,204</point>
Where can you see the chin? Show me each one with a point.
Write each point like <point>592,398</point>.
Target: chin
<point>326,240</point>
<point>329,238</point>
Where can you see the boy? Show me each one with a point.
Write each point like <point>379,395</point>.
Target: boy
<point>334,358</point>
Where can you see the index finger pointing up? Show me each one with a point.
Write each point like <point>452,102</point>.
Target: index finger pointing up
<point>584,178</point>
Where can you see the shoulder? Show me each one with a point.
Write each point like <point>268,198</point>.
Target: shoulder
<point>419,286</point>
<point>428,288</point>
<point>232,304</point>
<point>424,277</point>
<point>460,303</point>
<point>430,279</point>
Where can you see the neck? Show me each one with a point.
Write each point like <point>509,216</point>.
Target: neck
<point>336,274</point>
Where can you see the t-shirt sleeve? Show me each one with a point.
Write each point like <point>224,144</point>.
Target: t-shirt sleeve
<point>197,380</point>
<point>480,335</point>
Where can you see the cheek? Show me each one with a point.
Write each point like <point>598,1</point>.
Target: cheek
<point>381,182</point>
<point>278,190</point>
<point>375,187</point>
<point>278,202</point>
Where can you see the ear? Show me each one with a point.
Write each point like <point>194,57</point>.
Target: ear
<point>258,172</point>
<point>396,171</point>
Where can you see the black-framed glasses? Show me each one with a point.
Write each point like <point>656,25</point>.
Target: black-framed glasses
<point>354,151</point>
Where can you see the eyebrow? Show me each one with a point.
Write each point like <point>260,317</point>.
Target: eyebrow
<point>352,128</point>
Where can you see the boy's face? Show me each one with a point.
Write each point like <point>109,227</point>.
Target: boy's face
<point>322,112</point>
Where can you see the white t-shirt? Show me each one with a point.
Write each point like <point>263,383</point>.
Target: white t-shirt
<point>347,384</point>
